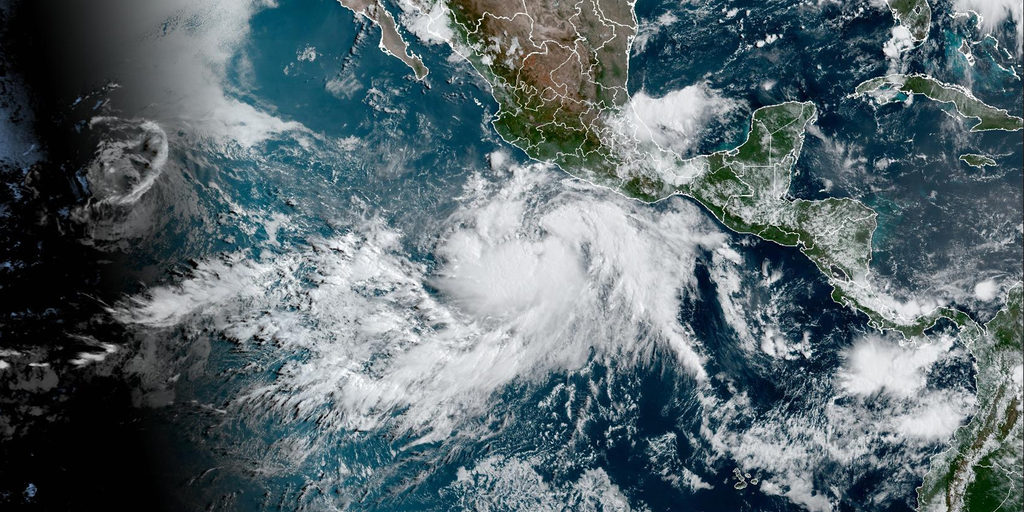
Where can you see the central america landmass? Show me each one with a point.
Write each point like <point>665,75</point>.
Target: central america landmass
<point>558,72</point>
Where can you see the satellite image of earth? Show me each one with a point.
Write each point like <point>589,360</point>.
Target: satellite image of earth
<point>512,255</point>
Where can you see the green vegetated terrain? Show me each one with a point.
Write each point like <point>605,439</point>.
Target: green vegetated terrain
<point>982,468</point>
<point>974,160</point>
<point>746,188</point>
<point>916,15</point>
<point>890,88</point>
<point>554,91</point>
<point>558,72</point>
<point>567,108</point>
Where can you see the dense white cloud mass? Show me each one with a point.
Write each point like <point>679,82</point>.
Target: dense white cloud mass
<point>532,276</point>
<point>674,120</point>
<point>161,80</point>
<point>879,365</point>
<point>526,287</point>
<point>200,57</point>
<point>996,12</point>
<point>901,41</point>
<point>986,290</point>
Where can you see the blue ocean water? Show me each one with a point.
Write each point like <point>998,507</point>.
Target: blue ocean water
<point>417,146</point>
<point>380,147</point>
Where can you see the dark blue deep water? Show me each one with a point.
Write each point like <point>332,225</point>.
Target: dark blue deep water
<point>380,147</point>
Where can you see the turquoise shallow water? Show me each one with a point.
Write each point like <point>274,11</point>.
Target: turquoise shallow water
<point>394,171</point>
<point>419,143</point>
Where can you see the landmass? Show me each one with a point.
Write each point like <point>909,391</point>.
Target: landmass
<point>746,188</point>
<point>965,50</point>
<point>558,71</point>
<point>915,15</point>
<point>974,160</point>
<point>896,87</point>
<point>982,468</point>
<point>883,316</point>
<point>391,41</point>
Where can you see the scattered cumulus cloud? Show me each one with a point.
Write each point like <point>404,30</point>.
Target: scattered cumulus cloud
<point>307,54</point>
<point>343,86</point>
<point>500,483</point>
<point>649,29</point>
<point>884,395</point>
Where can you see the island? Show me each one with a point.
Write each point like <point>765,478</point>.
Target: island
<point>897,87</point>
<point>979,161</point>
